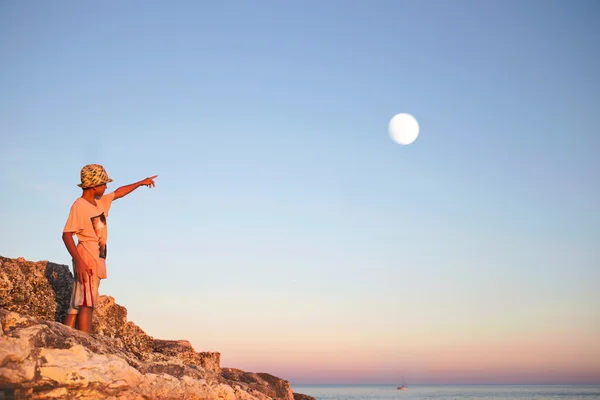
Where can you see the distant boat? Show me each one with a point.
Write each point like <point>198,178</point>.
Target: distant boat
<point>403,387</point>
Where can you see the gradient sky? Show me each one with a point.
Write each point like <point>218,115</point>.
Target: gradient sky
<point>287,231</point>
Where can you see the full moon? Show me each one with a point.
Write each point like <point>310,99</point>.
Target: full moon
<point>403,128</point>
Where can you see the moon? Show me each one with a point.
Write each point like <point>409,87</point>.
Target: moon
<point>403,128</point>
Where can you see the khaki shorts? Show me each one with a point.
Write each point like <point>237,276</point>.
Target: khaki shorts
<point>84,294</point>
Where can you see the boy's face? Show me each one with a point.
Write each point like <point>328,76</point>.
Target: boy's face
<point>99,190</point>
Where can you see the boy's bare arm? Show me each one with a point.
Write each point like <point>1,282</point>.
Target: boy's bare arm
<point>125,190</point>
<point>80,269</point>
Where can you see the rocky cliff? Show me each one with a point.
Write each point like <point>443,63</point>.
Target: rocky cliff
<point>40,358</point>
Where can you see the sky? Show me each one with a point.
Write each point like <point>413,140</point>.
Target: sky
<point>287,231</point>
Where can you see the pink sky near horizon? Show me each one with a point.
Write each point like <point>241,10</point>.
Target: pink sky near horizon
<point>484,365</point>
<point>340,351</point>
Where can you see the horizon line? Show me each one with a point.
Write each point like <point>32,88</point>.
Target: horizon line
<point>447,384</point>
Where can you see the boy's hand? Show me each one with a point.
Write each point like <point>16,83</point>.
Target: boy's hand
<point>149,181</point>
<point>125,190</point>
<point>82,272</point>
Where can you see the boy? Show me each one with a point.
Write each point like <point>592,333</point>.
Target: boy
<point>87,220</point>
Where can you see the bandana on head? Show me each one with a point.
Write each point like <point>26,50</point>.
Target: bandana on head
<point>93,175</point>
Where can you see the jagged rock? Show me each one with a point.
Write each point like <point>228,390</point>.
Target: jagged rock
<point>41,289</point>
<point>49,360</point>
<point>41,358</point>
<point>110,319</point>
<point>300,396</point>
<point>265,383</point>
<point>182,349</point>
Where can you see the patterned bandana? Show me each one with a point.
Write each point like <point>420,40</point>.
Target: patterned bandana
<point>93,175</point>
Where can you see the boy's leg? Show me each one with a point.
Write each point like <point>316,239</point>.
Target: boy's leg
<point>84,319</point>
<point>70,320</point>
<point>79,316</point>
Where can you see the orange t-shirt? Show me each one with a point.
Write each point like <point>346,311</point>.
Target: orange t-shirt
<point>88,222</point>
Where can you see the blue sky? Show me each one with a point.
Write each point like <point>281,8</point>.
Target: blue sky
<point>286,229</point>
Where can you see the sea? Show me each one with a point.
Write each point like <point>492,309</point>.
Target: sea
<point>451,392</point>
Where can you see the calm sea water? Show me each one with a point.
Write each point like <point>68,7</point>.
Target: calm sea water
<point>453,392</point>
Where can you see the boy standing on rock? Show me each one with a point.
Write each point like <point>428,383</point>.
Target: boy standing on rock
<point>87,220</point>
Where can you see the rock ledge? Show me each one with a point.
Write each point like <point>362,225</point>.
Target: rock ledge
<point>40,358</point>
